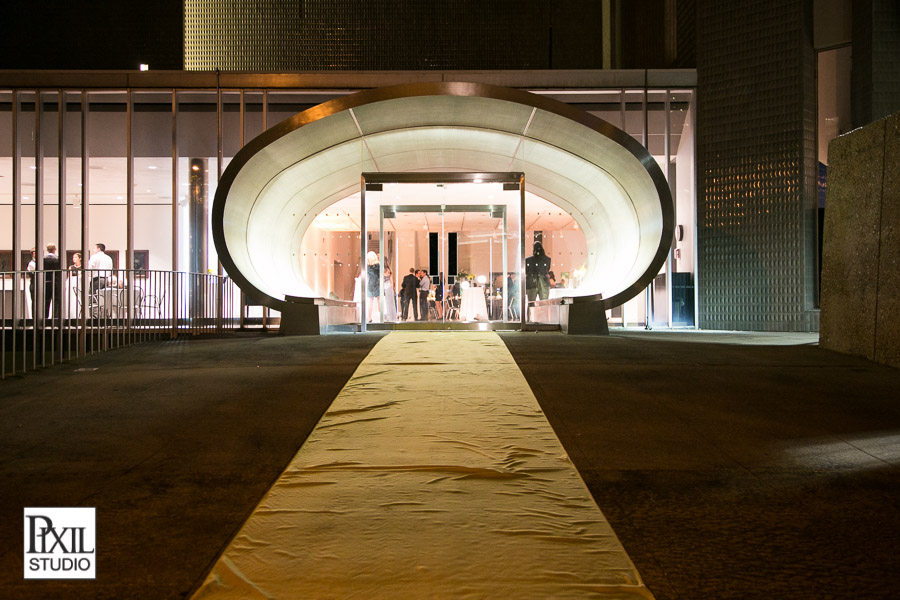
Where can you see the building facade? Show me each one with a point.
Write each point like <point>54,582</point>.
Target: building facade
<point>773,85</point>
<point>142,154</point>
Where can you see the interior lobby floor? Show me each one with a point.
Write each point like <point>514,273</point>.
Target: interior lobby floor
<point>763,469</point>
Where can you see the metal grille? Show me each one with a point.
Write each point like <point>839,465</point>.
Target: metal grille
<point>51,317</point>
<point>272,35</point>
<point>238,35</point>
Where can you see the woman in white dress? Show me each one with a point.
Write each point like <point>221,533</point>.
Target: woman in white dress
<point>390,296</point>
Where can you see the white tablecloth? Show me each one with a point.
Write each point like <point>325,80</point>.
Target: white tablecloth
<point>472,306</point>
<point>561,292</point>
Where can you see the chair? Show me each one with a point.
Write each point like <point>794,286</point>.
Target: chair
<point>512,311</point>
<point>453,312</point>
<point>151,305</point>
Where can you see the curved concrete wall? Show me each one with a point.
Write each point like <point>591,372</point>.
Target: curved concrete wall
<point>276,185</point>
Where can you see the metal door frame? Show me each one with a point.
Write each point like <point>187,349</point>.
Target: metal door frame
<point>375,181</point>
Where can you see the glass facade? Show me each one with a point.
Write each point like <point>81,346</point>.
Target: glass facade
<point>141,166</point>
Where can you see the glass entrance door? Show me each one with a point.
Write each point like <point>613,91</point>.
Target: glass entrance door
<point>462,252</point>
<point>469,252</point>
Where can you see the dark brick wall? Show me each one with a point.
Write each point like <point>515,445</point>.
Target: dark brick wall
<point>756,165</point>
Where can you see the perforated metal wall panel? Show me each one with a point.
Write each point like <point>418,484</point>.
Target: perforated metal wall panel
<point>237,35</point>
<point>340,35</point>
<point>756,157</point>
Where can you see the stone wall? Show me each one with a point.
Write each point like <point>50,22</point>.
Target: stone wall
<point>861,253</point>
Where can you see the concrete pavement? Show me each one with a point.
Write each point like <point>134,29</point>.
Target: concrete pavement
<point>727,469</point>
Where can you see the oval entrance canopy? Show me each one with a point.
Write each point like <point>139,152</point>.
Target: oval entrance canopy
<point>276,185</point>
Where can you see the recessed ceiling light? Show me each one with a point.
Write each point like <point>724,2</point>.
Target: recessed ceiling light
<point>152,167</point>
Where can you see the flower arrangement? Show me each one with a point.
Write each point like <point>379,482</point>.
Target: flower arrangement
<point>464,275</point>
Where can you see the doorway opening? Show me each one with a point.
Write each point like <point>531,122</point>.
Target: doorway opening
<point>460,234</point>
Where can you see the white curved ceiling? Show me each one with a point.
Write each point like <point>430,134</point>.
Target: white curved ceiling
<point>275,187</point>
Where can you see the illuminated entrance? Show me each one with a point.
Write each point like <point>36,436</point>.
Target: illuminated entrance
<point>283,234</point>
<point>464,230</point>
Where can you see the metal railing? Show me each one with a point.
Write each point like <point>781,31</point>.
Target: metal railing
<point>55,316</point>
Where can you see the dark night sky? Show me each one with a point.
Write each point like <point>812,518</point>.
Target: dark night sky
<point>96,34</point>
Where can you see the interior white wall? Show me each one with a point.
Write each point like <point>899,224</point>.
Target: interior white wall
<point>684,198</point>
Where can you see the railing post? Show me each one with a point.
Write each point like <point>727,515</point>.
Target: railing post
<point>220,302</point>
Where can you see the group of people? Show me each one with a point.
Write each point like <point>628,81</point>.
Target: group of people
<point>415,290</point>
<point>101,264</point>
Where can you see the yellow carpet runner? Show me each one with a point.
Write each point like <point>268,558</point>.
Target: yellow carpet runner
<point>434,474</point>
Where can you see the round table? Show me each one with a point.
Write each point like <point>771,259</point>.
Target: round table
<point>472,306</point>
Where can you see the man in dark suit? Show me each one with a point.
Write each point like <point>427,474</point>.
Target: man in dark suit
<point>52,277</point>
<point>409,292</point>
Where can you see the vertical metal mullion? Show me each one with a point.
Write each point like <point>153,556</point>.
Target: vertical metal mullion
<point>265,127</point>
<point>692,115</point>
<point>37,301</point>
<point>523,306</point>
<point>128,271</point>
<point>648,317</point>
<point>24,330</point>
<point>624,128</point>
<point>62,242</point>
<point>219,158</point>
<point>173,298</point>
<point>85,222</point>
<point>362,253</point>
<point>381,303</point>
<point>242,305</point>
<point>16,227</point>
<point>3,332</point>
<point>667,152</point>
<point>505,258</point>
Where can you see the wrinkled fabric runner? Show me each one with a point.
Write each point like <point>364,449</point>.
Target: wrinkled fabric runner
<point>434,474</point>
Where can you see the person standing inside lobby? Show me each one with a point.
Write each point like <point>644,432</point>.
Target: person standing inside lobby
<point>424,288</point>
<point>373,285</point>
<point>409,294</point>
<point>52,279</point>
<point>512,295</point>
<point>100,266</point>
<point>31,268</point>
<point>76,263</point>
